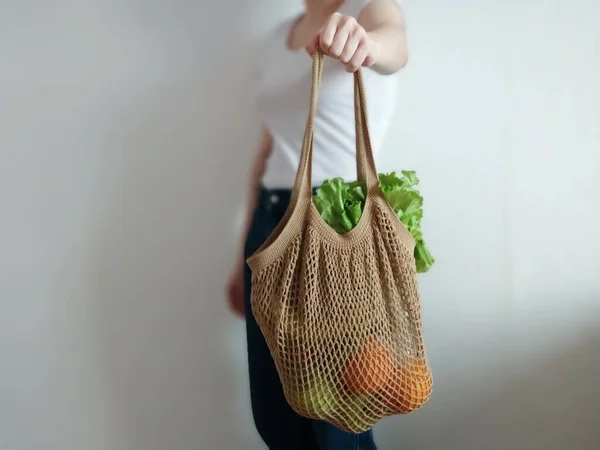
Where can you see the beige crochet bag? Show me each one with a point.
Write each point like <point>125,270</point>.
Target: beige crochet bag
<point>341,312</point>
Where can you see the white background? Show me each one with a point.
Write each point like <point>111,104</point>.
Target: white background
<point>126,128</point>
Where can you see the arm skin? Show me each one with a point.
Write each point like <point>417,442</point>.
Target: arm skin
<point>235,285</point>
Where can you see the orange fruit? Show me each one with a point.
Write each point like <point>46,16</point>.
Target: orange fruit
<point>410,388</point>
<point>369,370</point>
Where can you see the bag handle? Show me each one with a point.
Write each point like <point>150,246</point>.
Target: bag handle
<point>365,162</point>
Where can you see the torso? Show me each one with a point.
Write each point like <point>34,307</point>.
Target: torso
<point>283,101</point>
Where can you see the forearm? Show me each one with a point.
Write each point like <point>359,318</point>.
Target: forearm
<point>392,54</point>
<point>257,171</point>
<point>384,23</point>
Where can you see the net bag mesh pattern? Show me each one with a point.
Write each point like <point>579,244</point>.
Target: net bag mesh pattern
<point>341,312</point>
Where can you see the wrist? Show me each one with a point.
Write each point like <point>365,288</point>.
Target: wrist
<point>374,51</point>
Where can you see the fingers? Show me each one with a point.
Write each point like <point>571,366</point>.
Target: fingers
<point>332,33</point>
<point>350,49</point>
<point>236,301</point>
<point>235,294</point>
<point>313,44</point>
<point>343,38</point>
<point>359,57</point>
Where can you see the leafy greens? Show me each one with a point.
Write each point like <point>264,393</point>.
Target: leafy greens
<point>341,204</point>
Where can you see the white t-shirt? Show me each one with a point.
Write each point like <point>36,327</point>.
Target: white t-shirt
<point>283,101</point>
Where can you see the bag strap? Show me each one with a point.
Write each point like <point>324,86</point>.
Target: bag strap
<point>365,162</point>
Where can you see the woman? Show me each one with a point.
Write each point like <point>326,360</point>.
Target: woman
<point>357,33</point>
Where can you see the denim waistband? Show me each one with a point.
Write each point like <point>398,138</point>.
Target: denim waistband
<point>276,200</point>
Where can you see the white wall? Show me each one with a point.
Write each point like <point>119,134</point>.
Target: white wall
<point>119,212</point>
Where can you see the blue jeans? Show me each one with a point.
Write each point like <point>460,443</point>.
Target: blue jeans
<point>278,425</point>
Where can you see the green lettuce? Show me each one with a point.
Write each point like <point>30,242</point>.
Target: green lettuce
<point>341,204</point>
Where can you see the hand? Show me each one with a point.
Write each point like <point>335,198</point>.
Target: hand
<point>343,38</point>
<point>235,291</point>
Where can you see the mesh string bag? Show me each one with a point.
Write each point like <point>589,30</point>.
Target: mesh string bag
<point>341,313</point>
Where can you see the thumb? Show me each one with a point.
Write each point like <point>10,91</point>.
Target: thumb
<point>313,45</point>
